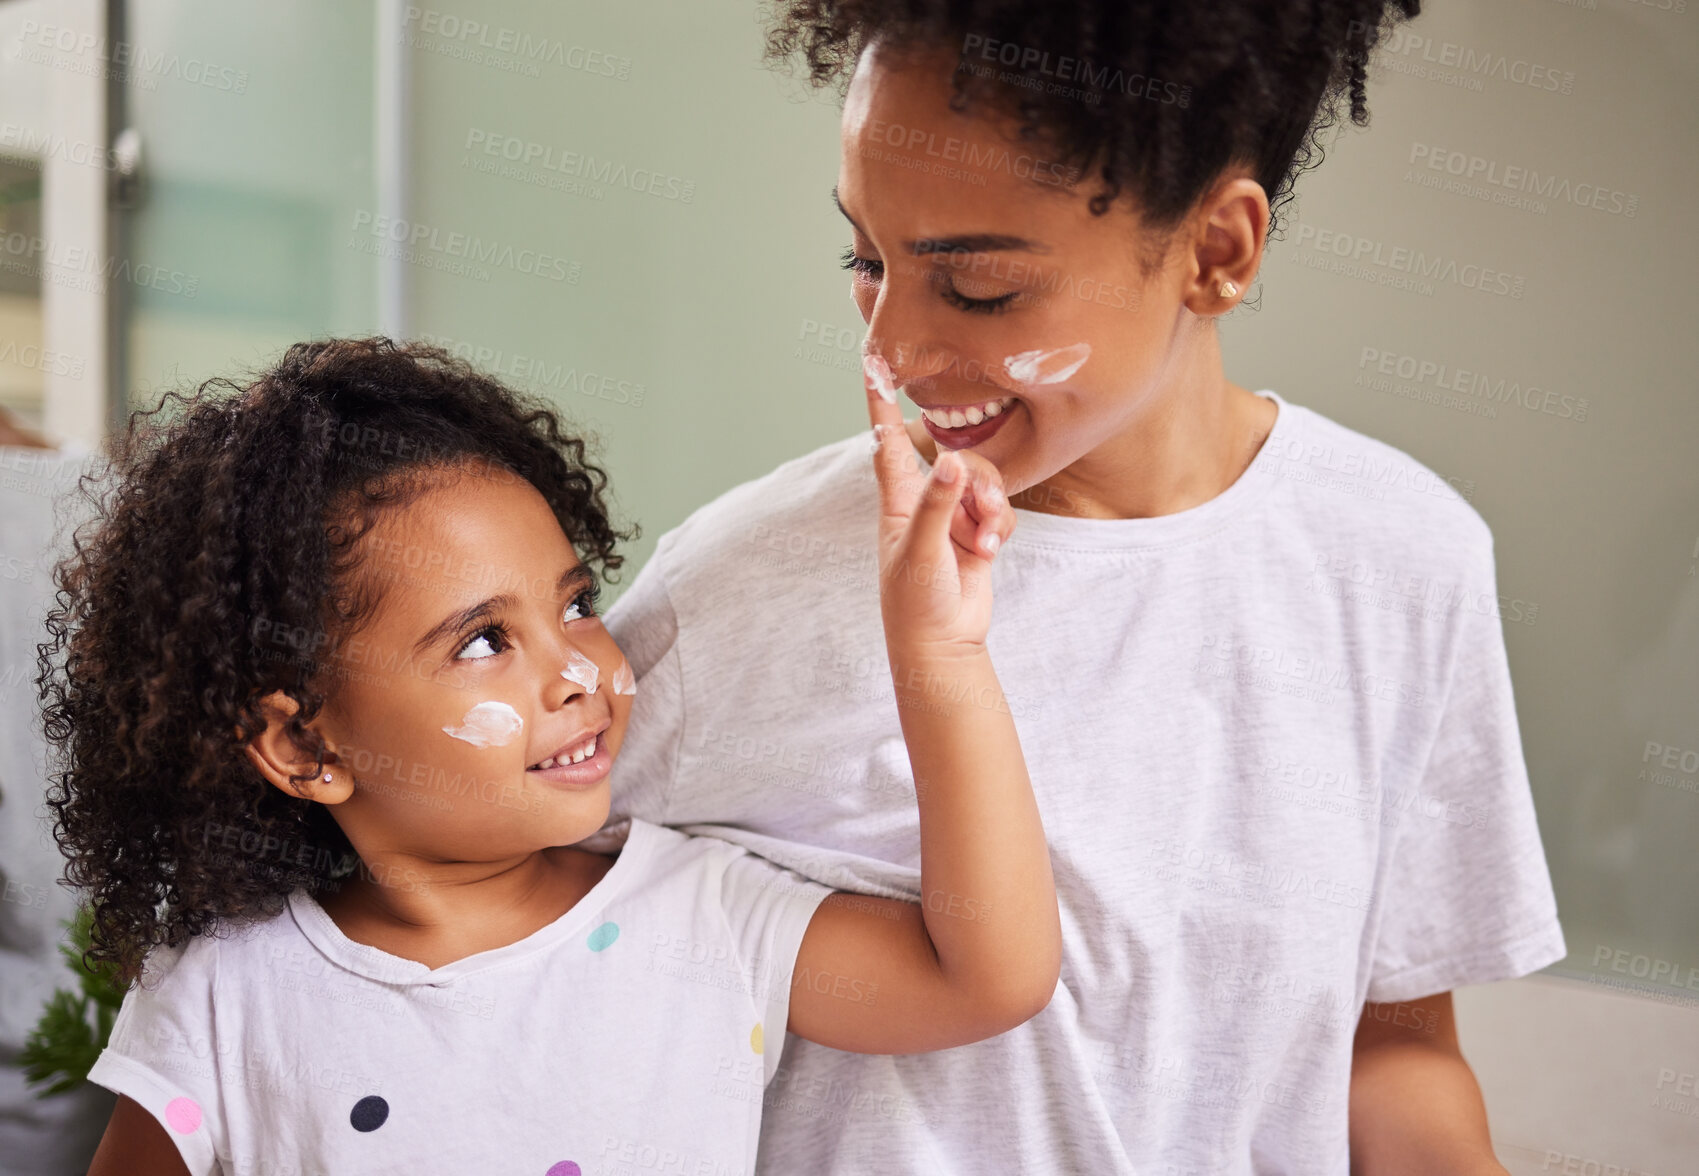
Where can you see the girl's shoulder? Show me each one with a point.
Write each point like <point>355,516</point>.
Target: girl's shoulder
<point>239,942</point>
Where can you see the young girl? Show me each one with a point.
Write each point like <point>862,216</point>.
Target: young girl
<point>335,704</point>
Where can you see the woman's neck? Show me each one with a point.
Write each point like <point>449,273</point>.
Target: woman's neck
<point>438,912</point>
<point>1185,451</point>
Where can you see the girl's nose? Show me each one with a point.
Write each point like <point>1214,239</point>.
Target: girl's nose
<point>572,672</point>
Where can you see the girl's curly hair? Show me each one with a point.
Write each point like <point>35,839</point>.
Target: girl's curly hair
<point>1159,96</point>
<point>219,567</point>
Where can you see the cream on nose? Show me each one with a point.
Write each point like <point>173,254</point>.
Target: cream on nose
<point>582,670</point>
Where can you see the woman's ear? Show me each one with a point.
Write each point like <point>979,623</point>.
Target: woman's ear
<point>1229,231</point>
<point>283,762</point>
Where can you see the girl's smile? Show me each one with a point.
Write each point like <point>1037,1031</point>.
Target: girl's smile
<point>510,680</point>
<point>578,763</point>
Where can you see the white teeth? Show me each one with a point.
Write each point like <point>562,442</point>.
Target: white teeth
<point>572,757</point>
<point>956,418</point>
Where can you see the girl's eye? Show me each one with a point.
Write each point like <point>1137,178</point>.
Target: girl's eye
<point>581,606</point>
<point>480,645</point>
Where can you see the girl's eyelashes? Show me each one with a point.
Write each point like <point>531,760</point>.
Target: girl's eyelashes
<point>583,605</point>
<point>479,643</point>
<point>869,270</point>
<point>479,640</point>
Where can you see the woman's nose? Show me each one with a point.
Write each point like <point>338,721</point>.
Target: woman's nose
<point>903,359</point>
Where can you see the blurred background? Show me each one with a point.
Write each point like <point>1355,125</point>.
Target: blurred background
<point>619,207</point>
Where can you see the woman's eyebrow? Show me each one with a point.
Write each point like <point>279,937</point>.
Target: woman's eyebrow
<point>573,577</point>
<point>963,243</point>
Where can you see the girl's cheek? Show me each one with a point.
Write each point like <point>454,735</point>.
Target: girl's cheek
<point>487,724</point>
<point>624,681</point>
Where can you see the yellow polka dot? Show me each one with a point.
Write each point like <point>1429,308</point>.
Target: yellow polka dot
<point>755,1038</point>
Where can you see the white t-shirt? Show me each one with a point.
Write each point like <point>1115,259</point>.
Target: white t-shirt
<point>623,1039</point>
<point>1275,749</point>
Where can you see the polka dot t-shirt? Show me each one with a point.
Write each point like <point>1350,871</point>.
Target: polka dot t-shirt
<point>628,1036</point>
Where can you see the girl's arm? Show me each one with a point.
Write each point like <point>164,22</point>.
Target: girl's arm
<point>135,1145</point>
<point>982,951</point>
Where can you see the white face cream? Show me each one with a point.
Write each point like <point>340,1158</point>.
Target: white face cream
<point>878,374</point>
<point>1047,367</point>
<point>489,724</point>
<point>582,670</point>
<point>624,683</point>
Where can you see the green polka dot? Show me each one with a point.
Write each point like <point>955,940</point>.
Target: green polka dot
<point>603,936</point>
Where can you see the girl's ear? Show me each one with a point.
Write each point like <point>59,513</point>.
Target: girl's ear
<point>284,762</point>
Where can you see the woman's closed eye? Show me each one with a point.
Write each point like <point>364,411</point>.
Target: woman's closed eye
<point>866,269</point>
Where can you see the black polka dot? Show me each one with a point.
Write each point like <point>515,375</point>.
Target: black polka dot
<point>369,1113</point>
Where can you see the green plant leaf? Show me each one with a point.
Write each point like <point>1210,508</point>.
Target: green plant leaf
<point>76,1022</point>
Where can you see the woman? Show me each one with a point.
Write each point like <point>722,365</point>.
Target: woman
<point>1254,656</point>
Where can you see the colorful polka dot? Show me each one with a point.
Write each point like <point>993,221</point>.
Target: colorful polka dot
<point>756,1038</point>
<point>603,936</point>
<point>564,1168</point>
<point>182,1115</point>
<point>369,1113</point>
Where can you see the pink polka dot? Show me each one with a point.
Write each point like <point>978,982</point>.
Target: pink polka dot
<point>183,1115</point>
<point>564,1168</point>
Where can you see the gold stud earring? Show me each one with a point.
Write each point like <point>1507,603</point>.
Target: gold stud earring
<point>1229,289</point>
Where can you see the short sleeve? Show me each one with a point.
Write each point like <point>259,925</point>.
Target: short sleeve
<point>768,909</point>
<point>163,1052</point>
<point>643,625</point>
<point>1468,895</point>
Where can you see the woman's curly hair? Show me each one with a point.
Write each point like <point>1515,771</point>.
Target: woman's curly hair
<point>1247,82</point>
<point>220,566</point>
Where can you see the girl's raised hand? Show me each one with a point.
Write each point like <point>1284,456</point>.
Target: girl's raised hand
<point>938,533</point>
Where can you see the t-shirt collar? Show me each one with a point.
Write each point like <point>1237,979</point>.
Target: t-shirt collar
<point>1038,529</point>
<point>374,964</point>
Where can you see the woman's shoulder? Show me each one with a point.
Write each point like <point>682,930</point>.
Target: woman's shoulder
<point>810,497</point>
<point>1365,491</point>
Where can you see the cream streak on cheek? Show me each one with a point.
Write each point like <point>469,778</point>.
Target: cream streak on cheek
<point>624,683</point>
<point>1047,367</point>
<point>489,724</point>
<point>582,670</point>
